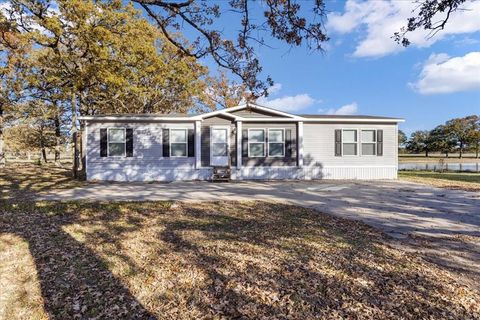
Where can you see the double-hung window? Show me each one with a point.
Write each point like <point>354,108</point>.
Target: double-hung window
<point>178,142</point>
<point>276,142</point>
<point>369,142</point>
<point>256,142</point>
<point>349,142</point>
<point>116,142</point>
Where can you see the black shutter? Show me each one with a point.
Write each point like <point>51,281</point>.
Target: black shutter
<point>191,143</point>
<point>166,142</point>
<point>103,143</point>
<point>129,141</point>
<point>379,142</point>
<point>338,143</point>
<point>245,143</point>
<point>288,143</point>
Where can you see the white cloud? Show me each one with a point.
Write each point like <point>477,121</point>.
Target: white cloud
<point>379,20</point>
<point>288,103</point>
<point>347,109</point>
<point>442,74</point>
<point>275,88</point>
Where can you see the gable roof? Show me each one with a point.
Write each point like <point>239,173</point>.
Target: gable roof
<point>250,106</point>
<point>281,116</point>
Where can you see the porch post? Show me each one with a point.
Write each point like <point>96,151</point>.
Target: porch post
<point>239,144</point>
<point>300,144</point>
<point>198,144</point>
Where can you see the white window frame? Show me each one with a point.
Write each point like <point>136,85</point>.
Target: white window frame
<point>124,142</point>
<point>351,142</point>
<point>170,142</point>
<point>264,143</point>
<point>361,142</point>
<point>283,142</point>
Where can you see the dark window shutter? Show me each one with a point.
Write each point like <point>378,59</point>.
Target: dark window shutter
<point>129,141</point>
<point>166,142</point>
<point>338,143</point>
<point>379,142</point>
<point>191,143</point>
<point>103,143</point>
<point>245,143</point>
<point>288,143</point>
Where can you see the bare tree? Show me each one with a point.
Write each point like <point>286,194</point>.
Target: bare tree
<point>281,19</point>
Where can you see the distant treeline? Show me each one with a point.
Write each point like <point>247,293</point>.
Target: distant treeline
<point>456,135</point>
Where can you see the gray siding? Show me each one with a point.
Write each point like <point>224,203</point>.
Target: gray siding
<point>215,121</point>
<point>147,150</point>
<point>255,114</point>
<point>319,146</point>
<point>272,161</point>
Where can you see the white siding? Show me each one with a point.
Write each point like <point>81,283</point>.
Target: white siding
<point>319,152</point>
<point>147,162</point>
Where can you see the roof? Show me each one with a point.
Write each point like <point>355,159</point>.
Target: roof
<point>277,116</point>
<point>145,115</point>
<point>336,116</point>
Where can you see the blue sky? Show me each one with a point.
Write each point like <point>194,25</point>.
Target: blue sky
<point>365,72</point>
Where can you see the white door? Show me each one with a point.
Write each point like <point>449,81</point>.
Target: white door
<point>219,146</point>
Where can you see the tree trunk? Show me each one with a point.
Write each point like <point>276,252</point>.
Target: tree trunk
<point>74,136</point>
<point>426,153</point>
<point>477,147</point>
<point>2,153</point>
<point>57,138</point>
<point>44,155</point>
<point>461,150</point>
<point>446,154</point>
<point>83,159</point>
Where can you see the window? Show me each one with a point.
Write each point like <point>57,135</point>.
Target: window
<point>219,142</point>
<point>349,142</point>
<point>276,142</point>
<point>369,142</point>
<point>256,142</point>
<point>178,142</point>
<point>116,142</point>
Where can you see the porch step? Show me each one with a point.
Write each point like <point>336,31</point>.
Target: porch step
<point>221,174</point>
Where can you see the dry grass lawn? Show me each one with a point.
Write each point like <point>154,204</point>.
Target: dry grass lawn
<point>249,260</point>
<point>450,180</point>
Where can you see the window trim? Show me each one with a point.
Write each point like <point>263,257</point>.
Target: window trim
<point>375,143</point>
<point>170,142</point>
<point>264,143</point>
<point>356,142</point>
<point>283,142</point>
<point>124,142</point>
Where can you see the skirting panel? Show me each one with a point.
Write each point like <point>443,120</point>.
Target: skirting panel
<point>314,173</point>
<point>134,173</point>
<point>150,174</point>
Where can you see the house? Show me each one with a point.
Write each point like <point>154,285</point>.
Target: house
<point>255,142</point>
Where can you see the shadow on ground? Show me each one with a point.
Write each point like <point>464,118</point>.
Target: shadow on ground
<point>231,259</point>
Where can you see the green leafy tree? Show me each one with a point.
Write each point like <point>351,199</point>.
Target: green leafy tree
<point>442,141</point>
<point>402,138</point>
<point>474,134</point>
<point>420,141</point>
<point>460,129</point>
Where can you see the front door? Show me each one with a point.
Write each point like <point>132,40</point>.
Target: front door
<point>219,146</point>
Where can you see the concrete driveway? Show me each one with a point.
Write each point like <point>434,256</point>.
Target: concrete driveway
<point>398,208</point>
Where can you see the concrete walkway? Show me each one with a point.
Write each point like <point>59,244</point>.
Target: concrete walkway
<point>396,207</point>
